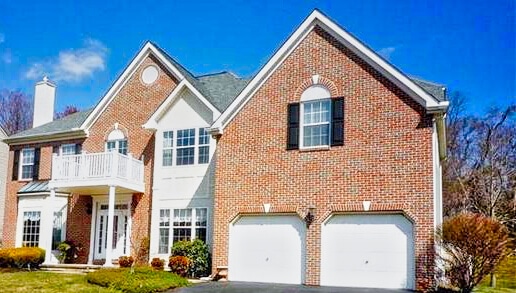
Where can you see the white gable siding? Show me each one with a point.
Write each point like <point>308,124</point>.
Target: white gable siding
<point>186,186</point>
<point>4,155</point>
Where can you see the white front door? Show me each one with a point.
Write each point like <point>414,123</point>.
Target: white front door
<point>267,249</point>
<point>120,231</point>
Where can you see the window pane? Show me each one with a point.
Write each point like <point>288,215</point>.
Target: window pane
<point>316,123</point>
<point>167,157</point>
<point>122,146</point>
<point>185,137</point>
<point>182,217</point>
<point>204,137</point>
<point>163,240</point>
<point>168,138</point>
<point>164,218</point>
<point>28,156</point>
<point>200,233</point>
<point>27,172</point>
<point>110,145</point>
<point>185,156</point>
<point>181,234</point>
<point>31,225</point>
<point>204,154</point>
<point>57,231</point>
<point>201,217</point>
<point>68,149</point>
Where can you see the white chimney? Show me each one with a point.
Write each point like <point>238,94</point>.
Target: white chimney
<point>44,98</point>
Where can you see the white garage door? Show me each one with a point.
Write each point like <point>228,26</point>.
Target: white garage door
<point>375,251</point>
<point>267,249</point>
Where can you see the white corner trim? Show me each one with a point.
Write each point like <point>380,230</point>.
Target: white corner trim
<point>316,18</point>
<point>147,49</point>
<point>437,178</point>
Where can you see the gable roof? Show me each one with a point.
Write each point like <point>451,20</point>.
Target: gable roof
<point>318,19</point>
<point>222,87</point>
<point>3,133</point>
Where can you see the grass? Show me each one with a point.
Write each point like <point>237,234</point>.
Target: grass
<point>505,278</point>
<point>106,281</point>
<point>45,282</point>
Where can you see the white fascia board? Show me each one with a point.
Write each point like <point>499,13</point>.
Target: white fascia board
<point>152,123</point>
<point>147,49</point>
<point>317,18</point>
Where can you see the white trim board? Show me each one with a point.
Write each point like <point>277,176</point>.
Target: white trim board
<point>316,18</point>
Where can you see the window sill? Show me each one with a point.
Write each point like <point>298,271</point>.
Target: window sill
<point>315,149</point>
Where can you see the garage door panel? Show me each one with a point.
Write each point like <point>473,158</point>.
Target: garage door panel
<point>267,249</point>
<point>367,251</point>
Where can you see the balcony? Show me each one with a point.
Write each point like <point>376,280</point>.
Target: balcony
<point>92,173</point>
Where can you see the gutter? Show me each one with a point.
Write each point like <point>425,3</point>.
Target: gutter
<point>48,137</point>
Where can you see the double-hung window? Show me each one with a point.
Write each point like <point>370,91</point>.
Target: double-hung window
<point>27,164</point>
<point>181,225</point>
<point>317,121</point>
<point>186,147</point>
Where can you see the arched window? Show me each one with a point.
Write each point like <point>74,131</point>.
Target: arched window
<point>116,141</point>
<point>316,121</point>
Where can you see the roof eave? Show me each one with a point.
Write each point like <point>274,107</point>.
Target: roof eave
<point>47,137</point>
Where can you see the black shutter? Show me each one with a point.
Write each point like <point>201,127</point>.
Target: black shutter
<point>55,150</point>
<point>293,126</point>
<point>337,121</point>
<point>78,149</point>
<point>35,167</point>
<point>16,165</point>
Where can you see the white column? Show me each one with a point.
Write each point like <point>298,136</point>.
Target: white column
<point>92,231</point>
<point>111,215</point>
<point>47,226</point>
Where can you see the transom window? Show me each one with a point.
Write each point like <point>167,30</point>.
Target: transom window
<point>31,228</point>
<point>27,163</point>
<point>190,146</point>
<point>186,224</point>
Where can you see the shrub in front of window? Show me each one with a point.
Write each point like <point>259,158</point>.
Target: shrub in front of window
<point>472,247</point>
<point>125,261</point>
<point>198,253</point>
<point>179,265</point>
<point>69,251</point>
<point>158,264</point>
<point>22,257</point>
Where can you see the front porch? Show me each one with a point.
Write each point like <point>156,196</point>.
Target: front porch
<point>110,179</point>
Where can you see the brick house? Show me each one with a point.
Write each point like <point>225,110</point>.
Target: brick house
<point>323,169</point>
<point>328,168</point>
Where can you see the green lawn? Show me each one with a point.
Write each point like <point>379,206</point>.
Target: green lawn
<point>505,278</point>
<point>45,282</point>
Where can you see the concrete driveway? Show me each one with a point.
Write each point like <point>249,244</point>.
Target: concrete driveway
<point>238,287</point>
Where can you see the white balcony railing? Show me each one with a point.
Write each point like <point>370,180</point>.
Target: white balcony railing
<point>96,166</point>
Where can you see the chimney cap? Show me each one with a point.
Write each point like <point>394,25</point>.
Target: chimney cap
<point>46,81</point>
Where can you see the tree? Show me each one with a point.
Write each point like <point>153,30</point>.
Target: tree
<point>480,172</point>
<point>472,246</point>
<point>70,109</point>
<point>15,111</point>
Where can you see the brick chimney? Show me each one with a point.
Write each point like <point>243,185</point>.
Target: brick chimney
<point>44,99</point>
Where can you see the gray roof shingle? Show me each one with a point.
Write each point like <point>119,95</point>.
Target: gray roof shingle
<point>438,91</point>
<point>222,88</point>
<point>57,126</point>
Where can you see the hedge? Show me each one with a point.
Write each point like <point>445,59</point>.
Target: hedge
<point>22,257</point>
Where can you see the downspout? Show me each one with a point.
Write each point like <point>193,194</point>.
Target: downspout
<point>441,134</point>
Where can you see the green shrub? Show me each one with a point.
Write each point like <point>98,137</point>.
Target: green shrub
<point>125,261</point>
<point>179,265</point>
<point>69,251</point>
<point>198,253</point>
<point>142,280</point>
<point>158,264</point>
<point>22,257</point>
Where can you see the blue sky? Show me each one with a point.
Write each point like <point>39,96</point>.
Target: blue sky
<point>467,45</point>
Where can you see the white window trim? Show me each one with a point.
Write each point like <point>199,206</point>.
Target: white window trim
<point>196,147</point>
<point>21,164</point>
<point>171,226</point>
<point>67,145</point>
<point>302,125</point>
<point>23,226</point>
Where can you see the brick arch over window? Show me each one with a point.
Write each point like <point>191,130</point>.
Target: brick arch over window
<point>317,80</point>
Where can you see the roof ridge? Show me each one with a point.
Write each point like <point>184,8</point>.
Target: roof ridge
<point>425,81</point>
<point>219,73</point>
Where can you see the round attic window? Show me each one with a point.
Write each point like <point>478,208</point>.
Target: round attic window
<point>150,74</point>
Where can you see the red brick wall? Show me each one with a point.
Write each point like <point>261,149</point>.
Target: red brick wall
<point>386,157</point>
<point>131,108</point>
<point>11,197</point>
